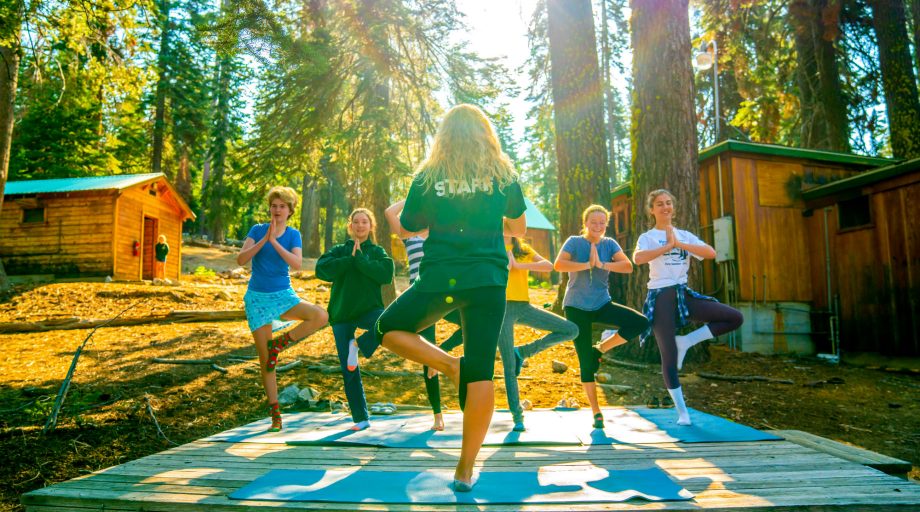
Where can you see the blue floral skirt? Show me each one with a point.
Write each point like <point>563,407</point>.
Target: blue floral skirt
<point>263,308</point>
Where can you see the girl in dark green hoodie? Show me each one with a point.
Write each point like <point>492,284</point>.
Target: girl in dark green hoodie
<point>356,269</point>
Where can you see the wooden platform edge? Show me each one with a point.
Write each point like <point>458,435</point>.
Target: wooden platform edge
<point>874,460</point>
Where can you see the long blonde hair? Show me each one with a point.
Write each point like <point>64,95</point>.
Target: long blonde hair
<point>466,146</point>
<point>370,217</point>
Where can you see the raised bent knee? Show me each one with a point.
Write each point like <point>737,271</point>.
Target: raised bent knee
<point>571,331</point>
<point>736,319</point>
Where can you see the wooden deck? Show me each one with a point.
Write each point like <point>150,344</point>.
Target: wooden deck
<point>762,476</point>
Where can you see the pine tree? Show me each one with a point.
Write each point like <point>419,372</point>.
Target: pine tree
<point>664,128</point>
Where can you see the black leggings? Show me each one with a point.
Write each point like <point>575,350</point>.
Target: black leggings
<point>629,322</point>
<point>432,385</point>
<point>482,311</point>
<point>720,318</point>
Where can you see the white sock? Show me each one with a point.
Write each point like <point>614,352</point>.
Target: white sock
<point>352,362</point>
<point>361,425</point>
<point>685,342</point>
<point>683,415</point>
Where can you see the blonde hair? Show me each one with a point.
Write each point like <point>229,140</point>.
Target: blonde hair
<point>594,208</point>
<point>370,217</point>
<point>650,201</point>
<point>285,194</point>
<point>161,238</point>
<point>466,146</point>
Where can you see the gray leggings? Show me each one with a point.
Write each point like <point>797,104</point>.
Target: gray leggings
<point>720,318</point>
<point>519,312</point>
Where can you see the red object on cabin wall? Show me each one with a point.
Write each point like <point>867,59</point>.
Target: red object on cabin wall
<point>136,248</point>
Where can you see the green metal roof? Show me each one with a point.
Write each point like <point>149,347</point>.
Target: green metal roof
<point>619,190</point>
<point>56,186</point>
<point>535,219</point>
<point>810,154</point>
<point>861,180</point>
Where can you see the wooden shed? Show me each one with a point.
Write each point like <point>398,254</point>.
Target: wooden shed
<point>864,241</point>
<point>95,226</point>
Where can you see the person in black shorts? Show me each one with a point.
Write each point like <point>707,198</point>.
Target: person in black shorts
<point>461,193</point>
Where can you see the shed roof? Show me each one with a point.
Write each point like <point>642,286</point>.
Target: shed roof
<point>835,157</point>
<point>91,183</point>
<point>861,180</point>
<point>535,218</point>
<point>59,185</point>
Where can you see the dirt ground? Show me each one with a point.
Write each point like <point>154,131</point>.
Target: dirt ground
<point>106,420</point>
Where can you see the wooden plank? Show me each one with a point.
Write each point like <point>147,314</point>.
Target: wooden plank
<point>856,454</point>
<point>753,476</point>
<point>712,500</point>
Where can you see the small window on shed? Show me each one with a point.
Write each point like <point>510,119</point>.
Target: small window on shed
<point>854,213</point>
<point>33,215</point>
<point>152,191</point>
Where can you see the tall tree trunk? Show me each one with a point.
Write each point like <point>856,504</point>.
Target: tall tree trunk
<point>220,147</point>
<point>608,95</point>
<point>915,29</point>
<point>581,153</point>
<point>329,225</point>
<point>803,19</point>
<point>663,134</point>
<point>578,103</point>
<point>205,176</point>
<point>309,217</point>
<point>184,175</point>
<point>898,80</point>
<point>159,117</point>
<point>830,95</point>
<point>9,75</point>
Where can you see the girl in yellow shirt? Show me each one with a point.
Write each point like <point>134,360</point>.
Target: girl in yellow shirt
<point>522,258</point>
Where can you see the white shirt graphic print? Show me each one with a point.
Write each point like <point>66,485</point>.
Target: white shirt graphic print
<point>670,268</point>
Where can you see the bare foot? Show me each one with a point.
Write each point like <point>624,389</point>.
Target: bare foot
<point>465,476</point>
<point>610,342</point>
<point>432,372</point>
<point>438,422</point>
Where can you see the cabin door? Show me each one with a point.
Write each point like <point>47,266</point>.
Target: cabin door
<point>147,252</point>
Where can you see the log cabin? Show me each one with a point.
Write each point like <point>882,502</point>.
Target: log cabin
<point>92,226</point>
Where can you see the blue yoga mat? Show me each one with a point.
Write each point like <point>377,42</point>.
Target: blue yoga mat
<point>294,425</point>
<point>550,485</point>
<point>338,432</point>
<point>544,427</point>
<point>621,426</point>
<point>706,428</point>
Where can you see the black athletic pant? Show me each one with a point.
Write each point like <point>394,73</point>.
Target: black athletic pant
<point>720,318</point>
<point>432,385</point>
<point>482,311</point>
<point>628,321</point>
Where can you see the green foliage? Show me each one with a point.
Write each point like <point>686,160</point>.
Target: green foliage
<point>202,271</point>
<point>81,82</point>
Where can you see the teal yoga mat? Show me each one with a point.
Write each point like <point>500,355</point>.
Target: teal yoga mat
<point>548,485</point>
<point>544,428</point>
<point>706,428</point>
<point>641,425</point>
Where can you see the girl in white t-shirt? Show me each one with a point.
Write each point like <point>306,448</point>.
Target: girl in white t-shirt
<point>671,304</point>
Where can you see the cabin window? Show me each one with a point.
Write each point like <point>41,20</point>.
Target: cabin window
<point>854,213</point>
<point>152,191</point>
<point>33,215</point>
